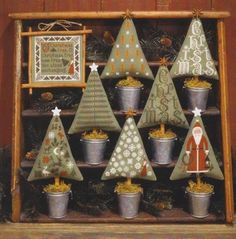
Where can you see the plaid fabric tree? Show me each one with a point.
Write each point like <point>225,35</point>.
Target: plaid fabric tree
<point>163,105</point>
<point>55,158</point>
<point>194,58</point>
<point>129,158</point>
<point>197,155</point>
<point>94,110</point>
<point>127,58</point>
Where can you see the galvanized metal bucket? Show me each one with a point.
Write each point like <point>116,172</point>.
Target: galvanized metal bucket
<point>129,204</point>
<point>162,149</point>
<point>93,150</point>
<point>57,203</point>
<point>199,203</point>
<point>197,97</point>
<point>128,97</point>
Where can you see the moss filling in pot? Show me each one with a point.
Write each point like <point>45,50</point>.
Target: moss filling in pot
<point>129,82</point>
<point>195,82</point>
<point>158,133</point>
<point>200,187</point>
<point>95,134</point>
<point>55,188</point>
<point>124,187</point>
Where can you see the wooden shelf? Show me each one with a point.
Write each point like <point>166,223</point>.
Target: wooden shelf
<point>211,111</point>
<point>166,216</point>
<point>81,164</point>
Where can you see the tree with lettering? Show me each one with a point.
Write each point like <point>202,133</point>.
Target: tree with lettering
<point>163,106</point>
<point>194,58</point>
<point>127,57</point>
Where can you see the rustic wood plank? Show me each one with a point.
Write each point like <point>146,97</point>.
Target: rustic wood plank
<point>132,5</point>
<point>115,231</point>
<point>72,5</point>
<point>117,15</point>
<point>53,84</point>
<point>225,124</point>
<point>16,132</point>
<point>49,33</point>
<point>189,5</point>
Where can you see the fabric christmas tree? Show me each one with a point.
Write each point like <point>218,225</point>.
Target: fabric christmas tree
<point>194,58</point>
<point>94,110</point>
<point>197,155</point>
<point>55,158</point>
<point>127,58</point>
<point>163,105</point>
<point>129,158</point>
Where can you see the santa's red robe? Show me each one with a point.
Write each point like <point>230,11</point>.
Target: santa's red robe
<point>197,156</point>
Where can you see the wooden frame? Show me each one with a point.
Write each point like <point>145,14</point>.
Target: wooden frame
<point>16,150</point>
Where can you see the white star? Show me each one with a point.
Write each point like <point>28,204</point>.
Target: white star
<point>94,67</point>
<point>137,46</point>
<point>56,111</point>
<point>112,59</point>
<point>141,59</point>
<point>122,60</point>
<point>70,165</point>
<point>132,59</point>
<point>127,32</point>
<point>117,45</point>
<point>197,112</point>
<point>127,45</point>
<point>117,73</point>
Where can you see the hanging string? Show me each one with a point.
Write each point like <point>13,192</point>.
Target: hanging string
<point>62,23</point>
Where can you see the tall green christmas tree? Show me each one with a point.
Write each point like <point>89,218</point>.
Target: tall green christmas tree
<point>197,155</point>
<point>163,106</point>
<point>194,58</point>
<point>129,158</point>
<point>94,110</point>
<point>55,159</point>
<point>127,58</point>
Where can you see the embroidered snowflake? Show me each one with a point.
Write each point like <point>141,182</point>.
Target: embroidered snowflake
<point>126,146</point>
<point>149,173</point>
<point>123,136</point>
<point>70,165</point>
<point>134,154</point>
<point>113,159</point>
<point>116,164</point>
<point>126,128</point>
<point>119,156</point>
<point>129,133</point>
<point>132,147</point>
<point>121,142</point>
<point>138,146</point>
<point>123,174</point>
<point>137,165</point>
<point>136,139</point>
<point>119,169</point>
<point>113,170</point>
<point>107,174</point>
<point>140,152</point>
<point>118,149</point>
<point>126,153</point>
<point>126,169</point>
<point>138,158</point>
<point>122,163</point>
<point>130,161</point>
<point>129,140</point>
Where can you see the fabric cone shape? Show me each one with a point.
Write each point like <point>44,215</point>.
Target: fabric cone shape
<point>129,158</point>
<point>55,158</point>
<point>163,106</point>
<point>197,155</point>
<point>194,58</point>
<point>94,110</point>
<point>127,58</point>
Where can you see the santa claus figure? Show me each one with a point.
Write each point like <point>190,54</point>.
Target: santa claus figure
<point>197,151</point>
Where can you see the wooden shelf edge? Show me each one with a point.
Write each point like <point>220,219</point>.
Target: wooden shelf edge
<point>116,14</point>
<point>175,215</point>
<point>211,111</point>
<point>81,164</point>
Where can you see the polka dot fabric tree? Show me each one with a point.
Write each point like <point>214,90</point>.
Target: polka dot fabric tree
<point>129,158</point>
<point>127,58</point>
<point>55,158</point>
